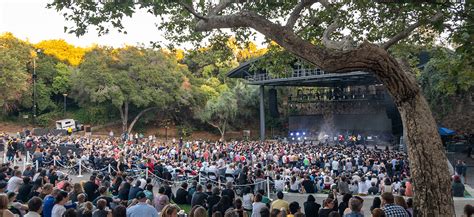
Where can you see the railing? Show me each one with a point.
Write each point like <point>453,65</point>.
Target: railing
<point>296,73</point>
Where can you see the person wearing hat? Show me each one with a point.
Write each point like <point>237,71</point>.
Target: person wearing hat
<point>457,187</point>
<point>141,208</point>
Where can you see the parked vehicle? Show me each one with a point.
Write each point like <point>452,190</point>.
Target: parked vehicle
<point>66,123</point>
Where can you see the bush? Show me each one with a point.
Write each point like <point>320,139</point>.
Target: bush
<point>185,130</point>
<point>47,119</point>
<point>92,115</point>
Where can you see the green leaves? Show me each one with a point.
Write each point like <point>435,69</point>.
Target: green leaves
<point>15,55</point>
<point>139,76</point>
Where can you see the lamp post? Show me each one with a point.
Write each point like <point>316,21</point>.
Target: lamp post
<point>34,87</point>
<point>65,95</point>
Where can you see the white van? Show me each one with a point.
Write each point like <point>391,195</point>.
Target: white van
<point>66,123</point>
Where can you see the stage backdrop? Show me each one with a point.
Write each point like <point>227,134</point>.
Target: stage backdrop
<point>342,122</point>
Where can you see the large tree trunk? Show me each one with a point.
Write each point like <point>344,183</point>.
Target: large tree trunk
<point>428,165</point>
<point>130,128</point>
<point>429,169</point>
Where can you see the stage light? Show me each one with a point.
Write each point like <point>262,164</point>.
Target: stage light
<point>304,133</point>
<point>291,134</point>
<point>297,134</point>
<point>304,138</point>
<point>299,138</point>
<point>293,138</point>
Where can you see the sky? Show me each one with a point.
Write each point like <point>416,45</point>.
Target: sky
<point>31,20</point>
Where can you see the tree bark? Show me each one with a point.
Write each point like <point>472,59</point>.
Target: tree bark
<point>124,116</point>
<point>221,130</point>
<point>130,128</point>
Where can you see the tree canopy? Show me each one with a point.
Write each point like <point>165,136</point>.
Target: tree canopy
<point>129,76</point>
<point>15,56</point>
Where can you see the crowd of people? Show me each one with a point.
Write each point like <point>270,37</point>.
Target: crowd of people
<point>215,179</point>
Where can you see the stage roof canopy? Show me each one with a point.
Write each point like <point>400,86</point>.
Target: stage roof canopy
<point>301,76</point>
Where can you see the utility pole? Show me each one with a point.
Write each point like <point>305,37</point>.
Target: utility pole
<point>34,91</point>
<point>65,95</point>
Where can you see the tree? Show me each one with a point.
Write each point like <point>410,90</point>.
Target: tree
<point>15,55</point>
<point>219,111</point>
<point>127,77</point>
<point>63,51</point>
<point>312,33</point>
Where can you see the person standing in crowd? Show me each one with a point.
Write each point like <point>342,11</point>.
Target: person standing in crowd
<point>468,210</point>
<point>4,206</point>
<point>119,211</point>
<point>279,203</point>
<point>181,194</point>
<point>24,190</point>
<point>199,197</point>
<point>344,204</point>
<point>390,208</point>
<point>35,205</point>
<point>376,203</point>
<point>229,191</point>
<point>355,205</point>
<point>343,186</point>
<point>239,208</point>
<point>15,182</point>
<point>49,202</point>
<point>223,205</point>
<point>134,190</point>
<point>377,212</point>
<point>161,200</point>
<point>101,209</point>
<point>295,209</point>
<point>169,210</point>
<point>90,188</point>
<point>311,208</point>
<point>140,208</point>
<point>58,208</point>
<point>257,206</point>
<point>212,200</point>
<point>329,204</point>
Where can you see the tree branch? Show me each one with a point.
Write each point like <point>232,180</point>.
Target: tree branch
<point>130,128</point>
<point>221,6</point>
<point>191,10</point>
<point>345,44</point>
<point>280,34</point>
<point>296,13</point>
<point>406,32</point>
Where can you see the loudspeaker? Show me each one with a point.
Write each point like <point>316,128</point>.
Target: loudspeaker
<point>272,103</point>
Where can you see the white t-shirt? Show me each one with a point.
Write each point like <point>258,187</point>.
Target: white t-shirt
<point>14,184</point>
<point>247,201</point>
<point>335,165</point>
<point>280,185</point>
<point>58,210</point>
<point>363,188</point>
<point>256,207</point>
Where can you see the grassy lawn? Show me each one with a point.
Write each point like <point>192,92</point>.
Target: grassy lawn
<point>185,207</point>
<point>466,194</point>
